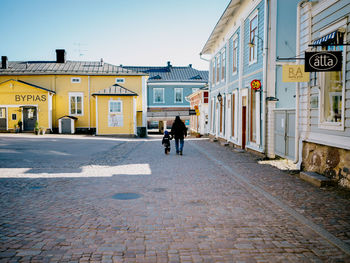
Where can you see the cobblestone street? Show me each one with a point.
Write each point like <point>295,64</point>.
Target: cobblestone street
<point>124,200</point>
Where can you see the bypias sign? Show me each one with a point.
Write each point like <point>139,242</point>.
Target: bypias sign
<point>323,61</point>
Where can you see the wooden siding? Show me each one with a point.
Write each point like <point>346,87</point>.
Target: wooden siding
<point>309,118</point>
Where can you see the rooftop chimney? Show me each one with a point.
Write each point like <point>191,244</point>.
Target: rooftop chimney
<point>169,65</point>
<point>4,62</point>
<point>60,56</point>
<point>101,62</point>
<point>190,65</point>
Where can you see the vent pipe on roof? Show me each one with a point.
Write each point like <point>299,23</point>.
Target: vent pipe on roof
<point>101,62</point>
<point>60,56</point>
<point>4,62</point>
<point>169,64</point>
<point>190,65</point>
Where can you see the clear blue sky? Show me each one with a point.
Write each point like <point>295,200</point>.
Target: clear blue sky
<point>128,32</point>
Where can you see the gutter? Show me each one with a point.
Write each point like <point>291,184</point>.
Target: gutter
<point>266,28</point>
<point>297,101</point>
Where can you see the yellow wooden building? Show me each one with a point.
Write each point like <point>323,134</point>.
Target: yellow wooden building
<point>99,97</point>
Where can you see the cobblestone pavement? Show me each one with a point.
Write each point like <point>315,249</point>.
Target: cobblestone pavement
<point>210,205</point>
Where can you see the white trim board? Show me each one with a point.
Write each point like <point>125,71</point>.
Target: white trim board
<point>328,140</point>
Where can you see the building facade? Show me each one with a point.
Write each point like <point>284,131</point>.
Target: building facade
<point>199,104</point>
<point>237,57</point>
<point>102,98</point>
<point>167,89</point>
<point>247,94</point>
<point>324,101</point>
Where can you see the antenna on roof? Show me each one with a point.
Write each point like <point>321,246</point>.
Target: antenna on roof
<point>79,49</point>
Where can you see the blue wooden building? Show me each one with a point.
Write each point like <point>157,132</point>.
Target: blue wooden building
<point>245,76</point>
<point>167,89</point>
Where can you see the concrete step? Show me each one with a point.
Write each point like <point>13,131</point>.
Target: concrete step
<point>316,179</point>
<point>224,143</point>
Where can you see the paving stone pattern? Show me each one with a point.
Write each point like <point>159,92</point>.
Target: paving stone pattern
<point>190,209</point>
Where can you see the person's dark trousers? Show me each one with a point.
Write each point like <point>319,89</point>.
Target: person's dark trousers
<point>178,147</point>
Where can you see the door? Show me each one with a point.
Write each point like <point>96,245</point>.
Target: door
<point>285,133</point>
<point>244,125</point>
<point>3,119</point>
<point>66,125</point>
<point>29,118</point>
<point>244,120</point>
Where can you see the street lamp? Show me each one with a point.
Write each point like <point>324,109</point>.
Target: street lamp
<point>219,97</point>
<point>252,42</point>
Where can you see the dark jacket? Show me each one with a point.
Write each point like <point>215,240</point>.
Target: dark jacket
<point>166,140</point>
<point>178,130</point>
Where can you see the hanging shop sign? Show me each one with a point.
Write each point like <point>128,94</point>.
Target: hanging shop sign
<point>294,73</point>
<point>255,84</point>
<point>323,61</point>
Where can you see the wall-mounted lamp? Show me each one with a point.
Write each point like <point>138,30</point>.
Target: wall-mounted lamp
<point>272,99</point>
<point>219,97</point>
<point>252,42</point>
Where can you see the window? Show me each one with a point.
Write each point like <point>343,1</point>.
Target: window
<point>75,80</point>
<point>223,64</point>
<point>218,66</point>
<point>120,80</point>
<point>115,116</point>
<point>14,116</point>
<point>235,56</point>
<point>253,32</point>
<point>213,70</point>
<point>178,95</point>
<point>2,112</point>
<point>115,106</point>
<point>158,95</point>
<point>332,88</point>
<point>76,103</point>
<point>205,96</point>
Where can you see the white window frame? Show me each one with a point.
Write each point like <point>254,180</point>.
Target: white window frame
<point>154,97</point>
<point>1,111</point>
<point>234,55</point>
<point>115,101</point>
<point>75,80</point>
<point>218,68</point>
<point>322,124</point>
<point>256,42</point>
<point>182,95</point>
<point>213,81</point>
<point>76,94</point>
<point>120,80</point>
<point>223,65</point>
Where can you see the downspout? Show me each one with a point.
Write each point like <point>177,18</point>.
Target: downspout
<point>266,29</point>
<point>297,94</point>
<point>89,104</point>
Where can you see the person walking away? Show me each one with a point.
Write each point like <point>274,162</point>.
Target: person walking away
<point>166,142</point>
<point>179,132</point>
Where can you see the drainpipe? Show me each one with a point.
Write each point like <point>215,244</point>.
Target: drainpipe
<point>297,101</point>
<point>266,28</point>
<point>89,104</point>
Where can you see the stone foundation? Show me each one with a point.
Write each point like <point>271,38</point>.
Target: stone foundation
<point>331,162</point>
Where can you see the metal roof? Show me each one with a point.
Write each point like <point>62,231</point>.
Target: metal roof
<point>29,84</point>
<point>115,90</point>
<point>67,68</point>
<point>172,74</point>
<point>220,26</point>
